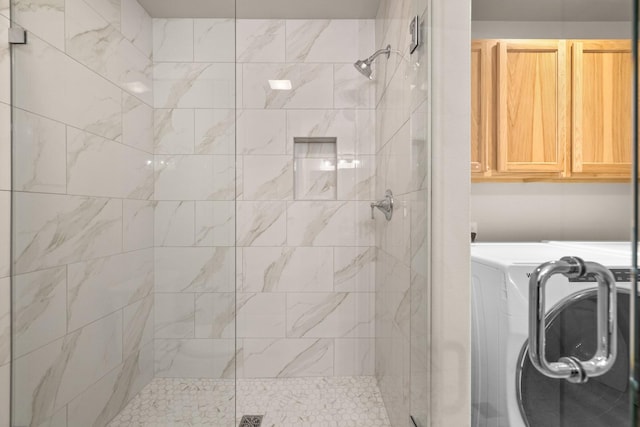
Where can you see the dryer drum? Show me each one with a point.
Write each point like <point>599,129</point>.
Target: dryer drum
<point>602,401</point>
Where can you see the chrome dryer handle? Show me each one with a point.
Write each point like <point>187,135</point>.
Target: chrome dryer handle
<point>571,368</point>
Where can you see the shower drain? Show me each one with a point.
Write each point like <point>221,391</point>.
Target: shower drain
<point>251,421</point>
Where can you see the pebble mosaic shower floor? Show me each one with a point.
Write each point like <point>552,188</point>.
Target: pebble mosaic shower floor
<point>290,402</point>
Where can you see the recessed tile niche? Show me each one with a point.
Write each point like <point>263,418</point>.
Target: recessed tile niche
<point>315,168</point>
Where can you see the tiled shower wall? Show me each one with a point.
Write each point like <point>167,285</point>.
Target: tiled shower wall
<point>83,210</point>
<point>403,165</point>
<point>305,268</point>
<point>5,212</point>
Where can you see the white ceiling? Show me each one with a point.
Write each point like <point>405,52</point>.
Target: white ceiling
<point>265,9</point>
<point>551,10</point>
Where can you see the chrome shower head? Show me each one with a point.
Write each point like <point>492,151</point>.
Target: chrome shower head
<point>364,65</point>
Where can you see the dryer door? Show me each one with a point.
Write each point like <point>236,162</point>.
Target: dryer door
<point>600,402</point>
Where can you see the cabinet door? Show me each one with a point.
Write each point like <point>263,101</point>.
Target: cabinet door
<point>481,105</point>
<point>601,107</point>
<point>532,106</point>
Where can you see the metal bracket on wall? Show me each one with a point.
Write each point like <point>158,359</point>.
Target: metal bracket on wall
<point>414,29</point>
<point>17,35</point>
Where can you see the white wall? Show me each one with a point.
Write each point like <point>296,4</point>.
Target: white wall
<point>550,30</point>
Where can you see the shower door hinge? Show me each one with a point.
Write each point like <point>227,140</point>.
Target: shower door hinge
<point>17,35</point>
<point>414,30</point>
<point>413,420</point>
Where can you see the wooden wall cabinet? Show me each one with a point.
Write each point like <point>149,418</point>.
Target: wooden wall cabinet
<point>547,110</point>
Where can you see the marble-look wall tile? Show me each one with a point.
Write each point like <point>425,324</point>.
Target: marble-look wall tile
<point>195,269</point>
<point>137,224</point>
<point>101,286</point>
<point>328,315</point>
<point>137,325</point>
<point>40,309</point>
<point>137,26</point>
<point>351,89</point>
<point>262,132</point>
<point>354,356</point>
<point>354,269</point>
<point>172,40</point>
<point>261,315</point>
<point>100,167</point>
<point>285,358</point>
<point>319,123</point>
<point>173,131</point>
<point>215,131</point>
<point>312,86</point>
<point>201,177</point>
<point>174,224</point>
<point>260,40</point>
<point>261,223</point>
<point>194,85</point>
<point>47,233</point>
<point>215,223</point>
<point>107,397</point>
<point>56,373</point>
<point>321,40</point>
<point>321,223</point>
<point>44,19</point>
<point>4,8</point>
<point>267,178</point>
<point>110,10</point>
<point>174,315</point>
<point>214,40</point>
<point>40,150</point>
<point>137,123</point>
<point>366,132</point>
<point>195,358</point>
<point>5,61</point>
<point>215,315</point>
<point>287,269</point>
<point>79,98</point>
<point>5,395</point>
<point>356,178</point>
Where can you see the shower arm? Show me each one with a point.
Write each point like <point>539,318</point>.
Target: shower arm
<point>386,50</point>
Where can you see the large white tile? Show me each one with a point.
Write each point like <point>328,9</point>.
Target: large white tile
<point>56,373</point>
<point>108,396</point>
<point>321,40</point>
<point>286,358</point>
<point>267,178</point>
<point>215,315</point>
<point>287,269</point>
<point>64,90</point>
<point>5,233</point>
<point>214,40</point>
<point>330,315</point>
<point>5,61</point>
<point>200,177</point>
<point>137,123</point>
<point>137,26</point>
<point>194,85</point>
<point>174,224</point>
<point>110,10</point>
<point>5,321</point>
<point>51,230</point>
<point>137,224</point>
<point>352,90</point>
<point>45,19</point>
<point>138,325</point>
<point>262,131</point>
<point>340,124</point>
<point>261,223</point>
<point>195,269</point>
<point>356,177</point>
<point>199,358</point>
<point>354,269</point>
<point>100,167</point>
<point>261,315</point>
<point>40,150</point>
<point>40,306</point>
<point>312,86</point>
<point>215,131</point>
<point>5,395</point>
<point>172,40</point>
<point>101,286</point>
<point>173,131</point>
<point>355,356</point>
<point>321,223</point>
<point>215,223</point>
<point>259,40</point>
<point>174,315</point>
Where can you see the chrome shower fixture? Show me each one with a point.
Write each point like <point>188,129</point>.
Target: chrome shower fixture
<point>364,65</point>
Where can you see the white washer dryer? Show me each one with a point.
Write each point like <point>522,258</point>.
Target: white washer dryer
<point>507,391</point>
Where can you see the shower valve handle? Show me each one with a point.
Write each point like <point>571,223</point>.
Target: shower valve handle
<point>385,205</point>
